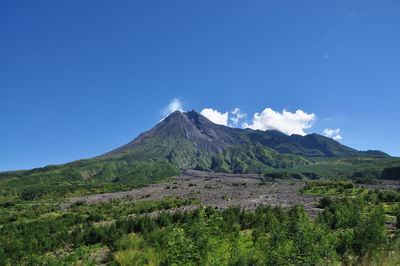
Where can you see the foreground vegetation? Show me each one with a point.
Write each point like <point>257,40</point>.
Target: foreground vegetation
<point>349,230</point>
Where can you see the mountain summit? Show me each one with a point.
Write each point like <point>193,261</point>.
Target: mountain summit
<point>190,126</point>
<point>188,138</point>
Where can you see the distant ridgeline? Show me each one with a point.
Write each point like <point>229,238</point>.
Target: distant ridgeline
<point>190,140</point>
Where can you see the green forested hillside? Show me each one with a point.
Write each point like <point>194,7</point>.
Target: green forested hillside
<point>247,158</point>
<point>83,177</point>
<point>391,173</point>
<point>346,168</point>
<point>311,145</point>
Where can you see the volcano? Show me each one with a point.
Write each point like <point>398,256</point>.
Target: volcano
<point>186,139</point>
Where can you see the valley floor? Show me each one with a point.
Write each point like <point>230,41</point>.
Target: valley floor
<point>221,191</point>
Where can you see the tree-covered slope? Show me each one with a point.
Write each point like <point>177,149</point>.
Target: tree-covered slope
<point>83,177</point>
<point>391,173</point>
<point>311,145</point>
<point>249,158</point>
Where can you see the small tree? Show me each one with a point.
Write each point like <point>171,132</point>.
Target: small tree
<point>369,233</point>
<point>397,214</point>
<point>180,250</point>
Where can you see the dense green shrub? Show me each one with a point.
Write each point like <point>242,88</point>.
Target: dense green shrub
<point>391,173</point>
<point>347,230</point>
<point>397,214</point>
<point>365,180</point>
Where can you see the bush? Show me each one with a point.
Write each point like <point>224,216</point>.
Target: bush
<point>388,196</point>
<point>367,180</point>
<point>325,201</point>
<point>397,214</point>
<point>284,175</point>
<point>369,233</point>
<point>391,173</point>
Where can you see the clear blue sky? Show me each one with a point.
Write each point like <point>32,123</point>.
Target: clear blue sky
<point>79,78</point>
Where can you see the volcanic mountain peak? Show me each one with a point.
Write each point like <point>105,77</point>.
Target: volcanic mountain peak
<point>191,126</point>
<point>189,136</point>
<point>181,119</point>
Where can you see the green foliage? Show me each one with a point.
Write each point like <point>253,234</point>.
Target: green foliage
<point>120,232</point>
<point>387,195</point>
<point>341,215</point>
<point>357,233</point>
<point>366,180</point>
<point>47,228</point>
<point>391,173</point>
<point>86,255</point>
<point>325,201</point>
<point>397,213</point>
<point>180,249</point>
<point>330,188</point>
<point>204,164</point>
<point>346,168</point>
<point>261,152</point>
<point>365,174</point>
<point>132,249</point>
<point>284,175</point>
<point>369,232</point>
<point>85,177</point>
<point>249,158</point>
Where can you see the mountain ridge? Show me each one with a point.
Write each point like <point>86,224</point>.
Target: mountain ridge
<point>200,137</point>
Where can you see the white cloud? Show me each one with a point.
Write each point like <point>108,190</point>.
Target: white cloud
<point>215,116</point>
<point>237,115</point>
<point>286,122</point>
<point>332,133</point>
<point>338,137</point>
<point>174,105</point>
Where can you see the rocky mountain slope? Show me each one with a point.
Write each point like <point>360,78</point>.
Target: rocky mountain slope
<point>187,138</point>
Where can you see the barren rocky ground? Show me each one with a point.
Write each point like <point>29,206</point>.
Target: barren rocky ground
<point>223,190</point>
<point>218,190</point>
